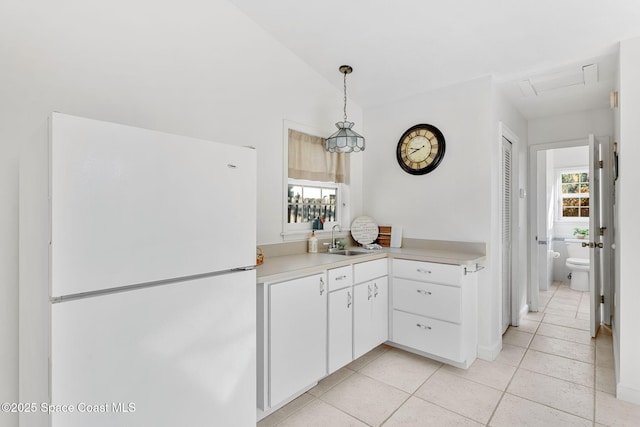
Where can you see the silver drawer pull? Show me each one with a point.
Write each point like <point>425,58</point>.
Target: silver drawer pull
<point>344,276</point>
<point>422,270</point>
<point>375,293</point>
<point>423,292</point>
<point>420,325</point>
<point>348,299</point>
<point>369,292</point>
<point>321,286</point>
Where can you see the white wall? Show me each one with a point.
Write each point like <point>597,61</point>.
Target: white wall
<point>571,126</point>
<point>627,315</point>
<point>197,68</point>
<point>459,199</point>
<point>449,203</point>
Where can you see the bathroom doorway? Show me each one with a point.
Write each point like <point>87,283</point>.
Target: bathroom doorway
<point>570,192</point>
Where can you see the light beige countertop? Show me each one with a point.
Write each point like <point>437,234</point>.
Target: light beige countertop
<point>282,265</point>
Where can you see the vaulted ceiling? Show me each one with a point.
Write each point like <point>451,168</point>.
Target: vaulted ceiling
<point>404,47</point>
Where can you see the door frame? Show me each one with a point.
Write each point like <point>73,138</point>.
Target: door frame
<point>532,243</point>
<point>596,169</point>
<point>532,290</point>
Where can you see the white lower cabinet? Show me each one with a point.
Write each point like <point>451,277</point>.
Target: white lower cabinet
<point>434,310</point>
<point>297,332</point>
<point>340,347</point>
<point>370,315</point>
<point>358,315</point>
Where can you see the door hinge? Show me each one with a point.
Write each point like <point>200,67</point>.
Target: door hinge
<point>602,230</point>
<point>601,299</point>
<point>600,164</point>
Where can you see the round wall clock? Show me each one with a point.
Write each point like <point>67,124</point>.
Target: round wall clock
<point>420,149</point>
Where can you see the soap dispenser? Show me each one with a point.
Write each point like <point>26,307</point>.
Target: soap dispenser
<point>313,243</point>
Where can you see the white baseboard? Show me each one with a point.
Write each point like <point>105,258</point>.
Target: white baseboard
<point>628,394</point>
<point>489,353</point>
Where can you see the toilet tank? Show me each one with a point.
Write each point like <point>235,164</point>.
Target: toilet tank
<point>575,249</point>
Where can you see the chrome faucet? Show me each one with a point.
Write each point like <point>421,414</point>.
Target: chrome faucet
<point>333,237</point>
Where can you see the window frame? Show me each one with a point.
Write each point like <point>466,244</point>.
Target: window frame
<point>560,197</point>
<point>301,231</point>
<point>307,226</point>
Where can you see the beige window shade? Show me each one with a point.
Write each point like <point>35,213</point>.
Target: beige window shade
<point>308,159</point>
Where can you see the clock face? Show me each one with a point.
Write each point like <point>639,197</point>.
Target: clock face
<point>420,149</point>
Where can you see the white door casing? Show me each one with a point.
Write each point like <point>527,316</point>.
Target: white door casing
<point>595,243</point>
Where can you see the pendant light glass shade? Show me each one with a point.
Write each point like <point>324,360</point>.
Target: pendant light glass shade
<point>345,140</point>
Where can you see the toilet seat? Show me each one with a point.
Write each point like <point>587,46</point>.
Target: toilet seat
<point>578,264</point>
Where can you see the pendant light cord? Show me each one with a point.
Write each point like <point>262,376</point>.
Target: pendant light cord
<point>345,96</point>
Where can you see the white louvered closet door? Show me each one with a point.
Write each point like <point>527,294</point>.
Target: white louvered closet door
<point>506,232</point>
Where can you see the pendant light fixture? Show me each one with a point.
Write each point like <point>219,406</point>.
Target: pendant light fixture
<point>345,140</point>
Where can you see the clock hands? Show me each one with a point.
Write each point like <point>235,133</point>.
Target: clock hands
<point>416,149</point>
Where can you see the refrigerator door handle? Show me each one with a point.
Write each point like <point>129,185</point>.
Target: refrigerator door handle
<point>81,295</point>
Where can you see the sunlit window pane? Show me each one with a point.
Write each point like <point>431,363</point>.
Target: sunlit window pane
<point>570,212</point>
<point>306,203</point>
<point>574,193</point>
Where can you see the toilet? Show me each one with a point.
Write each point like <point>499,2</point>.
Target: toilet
<point>578,264</point>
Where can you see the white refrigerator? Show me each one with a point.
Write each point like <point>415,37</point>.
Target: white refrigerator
<point>137,279</point>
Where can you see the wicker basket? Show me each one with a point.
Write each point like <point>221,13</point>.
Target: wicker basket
<point>259,256</point>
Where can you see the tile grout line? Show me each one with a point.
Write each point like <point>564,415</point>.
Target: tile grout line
<point>340,382</point>
<point>358,372</point>
<point>439,368</point>
<point>559,355</point>
<point>533,401</point>
<point>424,400</point>
<point>593,421</point>
<point>412,394</point>
<point>493,413</point>
<point>313,397</point>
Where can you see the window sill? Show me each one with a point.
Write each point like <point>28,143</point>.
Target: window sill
<point>291,236</point>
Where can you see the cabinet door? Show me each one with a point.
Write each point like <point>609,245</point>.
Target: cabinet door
<point>370,315</point>
<point>380,312</point>
<point>298,335</point>
<point>340,328</point>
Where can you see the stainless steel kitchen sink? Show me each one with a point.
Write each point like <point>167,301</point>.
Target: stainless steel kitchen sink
<point>348,252</point>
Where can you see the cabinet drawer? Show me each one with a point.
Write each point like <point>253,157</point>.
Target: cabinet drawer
<point>369,270</point>
<point>340,277</point>
<point>427,299</point>
<point>431,336</point>
<point>427,271</point>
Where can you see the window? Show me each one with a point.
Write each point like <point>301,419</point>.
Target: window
<point>574,194</point>
<point>309,200</point>
<point>317,183</point>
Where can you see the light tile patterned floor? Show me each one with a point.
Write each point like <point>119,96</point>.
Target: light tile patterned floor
<point>549,373</point>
